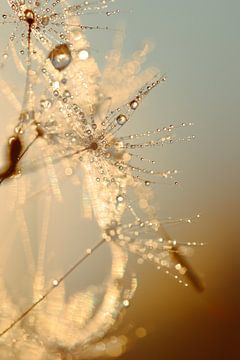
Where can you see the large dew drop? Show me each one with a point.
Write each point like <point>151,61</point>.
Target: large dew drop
<point>60,57</point>
<point>121,119</point>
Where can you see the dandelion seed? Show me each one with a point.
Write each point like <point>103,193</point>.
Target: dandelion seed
<point>45,20</point>
<point>80,123</point>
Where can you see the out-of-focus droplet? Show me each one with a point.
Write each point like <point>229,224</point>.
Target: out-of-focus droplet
<point>126,303</point>
<point>83,54</point>
<point>45,104</point>
<point>45,20</point>
<point>120,198</point>
<point>55,283</point>
<point>141,332</point>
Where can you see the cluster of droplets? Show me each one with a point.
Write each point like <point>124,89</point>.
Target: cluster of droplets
<point>84,133</point>
<point>84,138</point>
<point>48,22</point>
<point>149,241</point>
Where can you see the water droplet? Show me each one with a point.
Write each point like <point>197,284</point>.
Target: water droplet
<point>134,104</point>
<point>126,303</point>
<point>141,332</point>
<point>45,20</point>
<point>121,119</point>
<point>60,57</point>
<point>66,94</point>
<point>120,198</point>
<point>55,283</point>
<point>45,104</point>
<point>83,54</point>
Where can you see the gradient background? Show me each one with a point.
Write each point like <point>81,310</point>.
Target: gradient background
<point>197,44</point>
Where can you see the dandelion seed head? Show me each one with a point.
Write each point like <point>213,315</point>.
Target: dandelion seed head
<point>74,124</point>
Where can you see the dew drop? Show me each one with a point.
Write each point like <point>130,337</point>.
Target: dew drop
<point>60,57</point>
<point>45,103</point>
<point>121,119</point>
<point>120,198</point>
<point>83,54</point>
<point>45,20</point>
<point>134,104</point>
<point>126,303</point>
<point>141,332</point>
<point>66,94</point>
